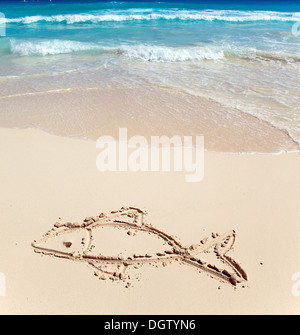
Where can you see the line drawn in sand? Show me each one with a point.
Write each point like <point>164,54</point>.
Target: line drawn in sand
<point>86,242</point>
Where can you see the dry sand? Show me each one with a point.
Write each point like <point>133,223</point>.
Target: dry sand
<point>44,177</point>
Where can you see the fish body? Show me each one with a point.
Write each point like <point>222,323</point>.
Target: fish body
<point>132,242</point>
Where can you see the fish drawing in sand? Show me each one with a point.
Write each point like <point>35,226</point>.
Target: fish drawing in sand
<point>112,243</point>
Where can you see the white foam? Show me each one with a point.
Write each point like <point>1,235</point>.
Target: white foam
<point>143,52</point>
<point>204,15</point>
<point>51,47</point>
<point>169,54</point>
<point>152,53</point>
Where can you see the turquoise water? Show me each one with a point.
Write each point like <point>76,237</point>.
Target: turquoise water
<point>245,56</point>
<point>47,28</point>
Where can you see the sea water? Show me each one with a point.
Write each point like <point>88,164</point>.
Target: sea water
<point>244,55</point>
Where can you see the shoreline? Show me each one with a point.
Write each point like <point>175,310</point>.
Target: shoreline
<point>153,111</point>
<point>46,177</point>
<point>84,138</point>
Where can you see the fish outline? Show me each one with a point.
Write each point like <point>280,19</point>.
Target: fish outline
<point>221,245</point>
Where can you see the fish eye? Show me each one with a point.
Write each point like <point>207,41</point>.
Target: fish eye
<point>67,244</point>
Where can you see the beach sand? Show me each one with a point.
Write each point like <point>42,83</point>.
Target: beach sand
<point>45,177</point>
<point>144,110</point>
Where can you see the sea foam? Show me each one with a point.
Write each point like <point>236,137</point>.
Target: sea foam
<point>185,15</point>
<point>171,54</point>
<point>150,53</point>
<point>51,47</point>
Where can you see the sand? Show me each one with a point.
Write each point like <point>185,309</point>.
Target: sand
<point>47,179</point>
<point>92,112</point>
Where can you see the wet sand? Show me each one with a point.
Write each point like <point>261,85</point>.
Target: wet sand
<point>144,110</point>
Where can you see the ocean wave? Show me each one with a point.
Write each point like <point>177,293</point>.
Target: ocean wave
<point>153,53</point>
<point>184,15</point>
<point>257,55</point>
<point>142,52</point>
<point>51,47</point>
<point>150,53</point>
<point>171,54</point>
